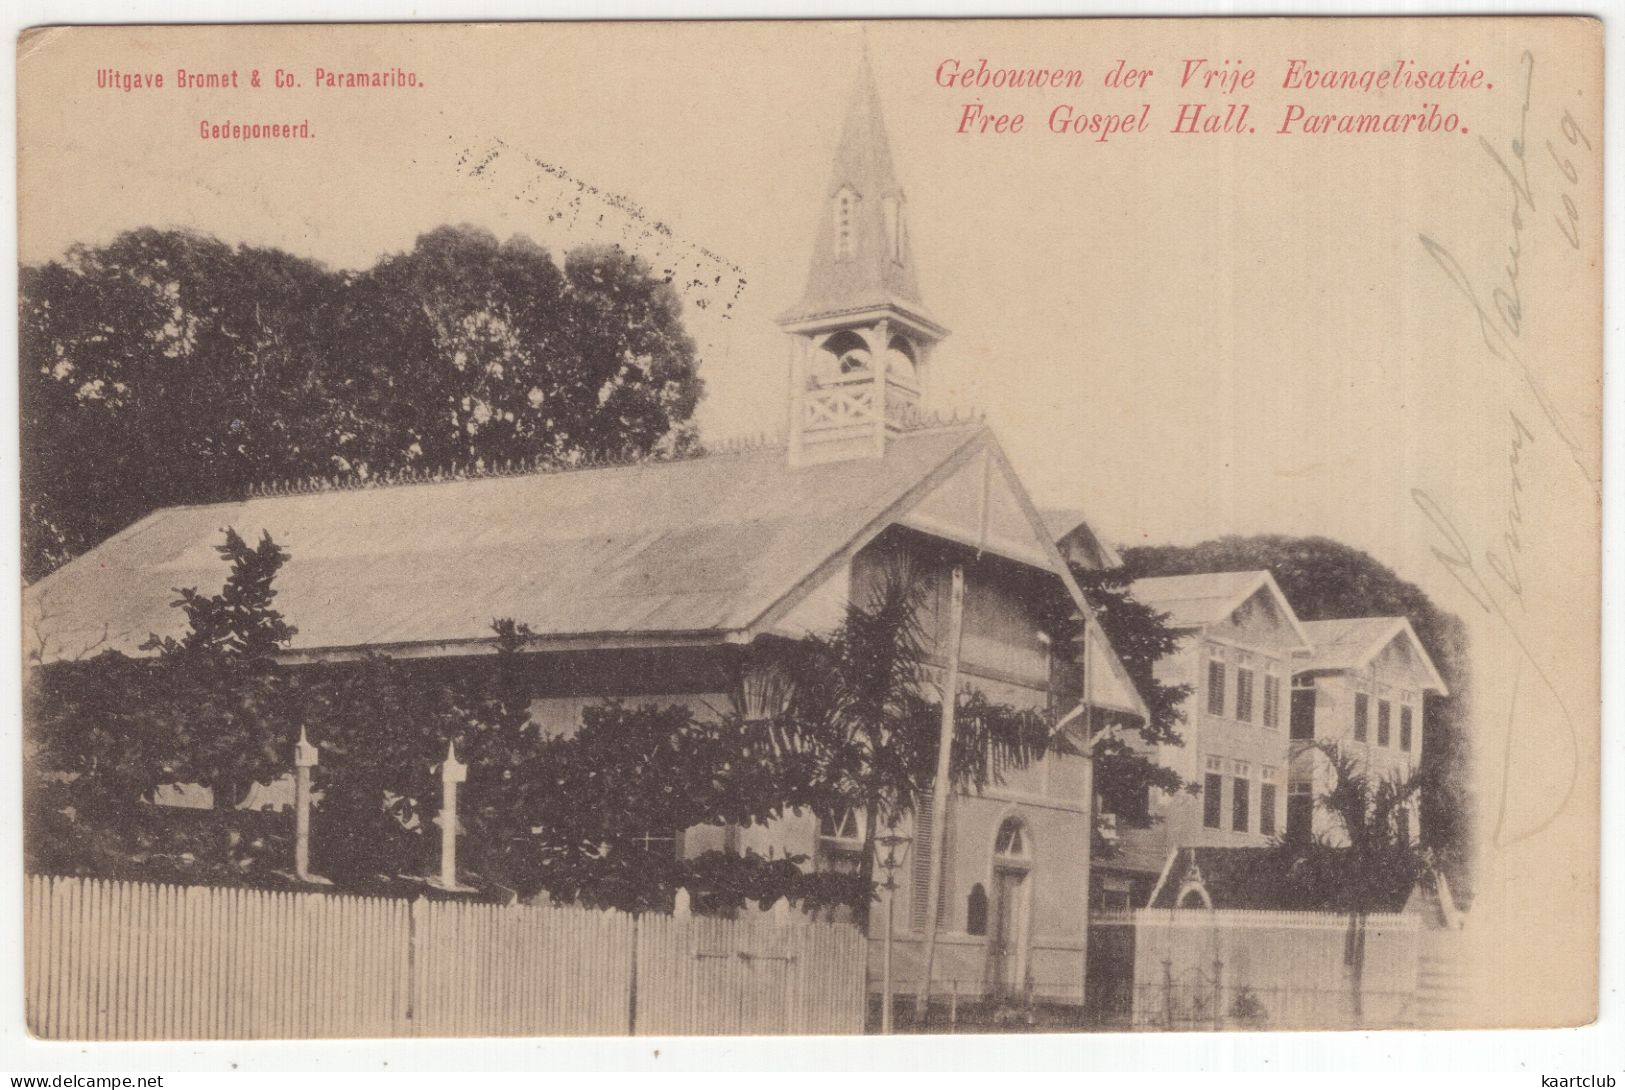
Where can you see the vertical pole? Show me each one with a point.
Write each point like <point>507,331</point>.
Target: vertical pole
<point>305,757</point>
<point>799,347</point>
<point>1088,807</point>
<point>885,962</point>
<point>939,789</point>
<point>452,773</point>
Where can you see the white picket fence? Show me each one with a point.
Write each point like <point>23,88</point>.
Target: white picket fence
<point>110,960</point>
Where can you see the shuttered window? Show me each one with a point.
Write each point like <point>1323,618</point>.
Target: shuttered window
<point>1272,701</point>
<point>1244,694</point>
<point>1215,688</point>
<point>924,826</point>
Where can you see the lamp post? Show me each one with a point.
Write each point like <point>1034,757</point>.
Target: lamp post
<point>895,846</point>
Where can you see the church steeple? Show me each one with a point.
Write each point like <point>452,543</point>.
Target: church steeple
<point>862,335</point>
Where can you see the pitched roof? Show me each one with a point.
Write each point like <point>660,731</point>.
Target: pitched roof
<point>1071,522</point>
<point>1261,879</point>
<point>873,275</point>
<point>1195,601</point>
<point>698,550</point>
<point>1350,643</point>
<point>705,545</point>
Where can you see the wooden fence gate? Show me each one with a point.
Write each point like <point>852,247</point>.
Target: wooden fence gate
<point>702,975</point>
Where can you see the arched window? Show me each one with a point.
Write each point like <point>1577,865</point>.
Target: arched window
<point>850,354</point>
<point>976,911</point>
<point>840,842</point>
<point>900,358</point>
<point>1011,843</point>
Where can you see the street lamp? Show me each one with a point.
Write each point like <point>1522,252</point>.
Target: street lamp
<point>895,846</point>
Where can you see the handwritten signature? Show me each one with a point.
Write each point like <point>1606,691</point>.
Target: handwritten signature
<point>1500,319</point>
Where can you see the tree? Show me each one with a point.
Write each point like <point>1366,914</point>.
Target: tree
<point>861,718</point>
<point>1126,766</point>
<point>1372,867</point>
<point>467,350</point>
<point>165,367</point>
<point>1324,579</point>
<point>209,710</point>
<point>168,367</point>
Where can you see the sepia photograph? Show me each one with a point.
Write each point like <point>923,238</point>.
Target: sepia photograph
<point>915,527</point>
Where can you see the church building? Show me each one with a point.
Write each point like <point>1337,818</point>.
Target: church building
<point>652,582</point>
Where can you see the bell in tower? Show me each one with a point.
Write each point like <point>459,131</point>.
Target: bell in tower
<point>861,338</point>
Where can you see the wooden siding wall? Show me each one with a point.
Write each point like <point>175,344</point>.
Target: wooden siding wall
<point>110,960</point>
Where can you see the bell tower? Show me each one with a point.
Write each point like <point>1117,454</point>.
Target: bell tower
<point>861,339</point>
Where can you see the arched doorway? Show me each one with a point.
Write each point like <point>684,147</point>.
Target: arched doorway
<point>1009,907</point>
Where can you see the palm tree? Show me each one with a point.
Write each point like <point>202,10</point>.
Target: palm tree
<point>862,712</point>
<point>1374,865</point>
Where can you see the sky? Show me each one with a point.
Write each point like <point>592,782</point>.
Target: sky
<point>1387,339</point>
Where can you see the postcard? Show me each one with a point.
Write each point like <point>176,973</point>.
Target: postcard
<point>895,527</point>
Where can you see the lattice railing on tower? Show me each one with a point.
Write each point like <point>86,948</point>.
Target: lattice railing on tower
<point>840,406</point>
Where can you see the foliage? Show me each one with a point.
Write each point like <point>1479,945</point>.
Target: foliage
<point>1126,765</point>
<point>208,711</point>
<point>590,815</point>
<point>862,722</point>
<point>167,367</point>
<point>1324,579</point>
<point>1373,867</point>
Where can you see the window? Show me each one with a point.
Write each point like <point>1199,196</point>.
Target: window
<point>845,209</point>
<point>1266,806</point>
<point>1384,712</point>
<point>1240,799</point>
<point>1303,713</point>
<point>840,842</point>
<point>976,911</point>
<point>1300,810</point>
<point>1403,820</point>
<point>1215,688</point>
<point>1244,694</point>
<point>1212,790</point>
<point>844,826</point>
<point>1405,729</point>
<point>1012,841</point>
<point>1272,701</point>
<point>893,208</point>
<point>1362,716</point>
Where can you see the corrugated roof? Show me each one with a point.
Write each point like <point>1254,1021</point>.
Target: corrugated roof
<point>705,545</point>
<point>1071,522</point>
<point>1192,601</point>
<point>1350,643</point>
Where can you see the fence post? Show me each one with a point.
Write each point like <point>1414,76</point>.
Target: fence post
<point>414,927</point>
<point>452,773</point>
<point>305,758</point>
<point>632,977</point>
